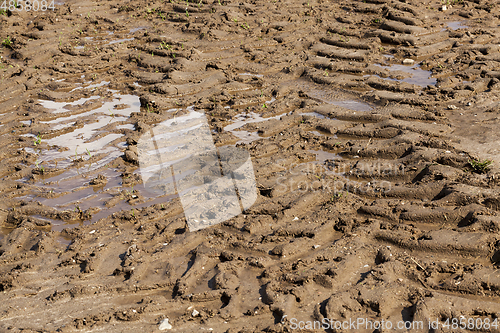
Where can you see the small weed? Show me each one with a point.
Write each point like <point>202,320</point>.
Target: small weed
<point>39,167</point>
<point>479,166</point>
<point>337,195</point>
<point>187,14</point>
<point>7,42</point>
<point>88,152</point>
<point>245,26</point>
<point>38,140</point>
<point>264,106</point>
<point>164,46</point>
<point>326,72</point>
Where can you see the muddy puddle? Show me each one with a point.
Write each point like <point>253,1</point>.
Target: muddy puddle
<point>331,96</point>
<point>418,76</point>
<point>456,25</point>
<point>88,140</point>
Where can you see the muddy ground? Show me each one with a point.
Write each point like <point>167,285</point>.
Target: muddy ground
<point>367,123</point>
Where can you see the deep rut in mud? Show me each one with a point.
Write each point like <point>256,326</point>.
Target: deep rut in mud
<point>367,122</point>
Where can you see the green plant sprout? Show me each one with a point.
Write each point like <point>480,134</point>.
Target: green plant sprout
<point>38,140</point>
<point>479,166</point>
<point>88,152</point>
<point>7,42</point>
<point>41,168</point>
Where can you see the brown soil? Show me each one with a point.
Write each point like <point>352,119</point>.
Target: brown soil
<point>368,206</point>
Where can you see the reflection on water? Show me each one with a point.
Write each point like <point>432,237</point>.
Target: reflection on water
<point>418,76</point>
<point>247,118</point>
<point>455,25</point>
<point>91,137</point>
<point>330,96</point>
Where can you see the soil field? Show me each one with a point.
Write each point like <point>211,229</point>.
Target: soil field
<point>374,133</point>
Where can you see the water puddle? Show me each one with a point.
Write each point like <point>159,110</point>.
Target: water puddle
<point>250,74</point>
<point>122,40</point>
<point>59,107</point>
<point>92,138</point>
<point>313,114</point>
<point>353,105</point>
<point>92,86</point>
<point>418,76</point>
<point>87,140</point>
<point>456,25</point>
<point>243,119</point>
<point>134,30</point>
<point>323,133</point>
<point>330,96</point>
<point>323,155</point>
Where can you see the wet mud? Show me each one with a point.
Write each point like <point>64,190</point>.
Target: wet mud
<point>372,127</point>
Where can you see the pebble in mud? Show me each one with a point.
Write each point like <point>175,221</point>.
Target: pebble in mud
<point>99,180</point>
<point>164,325</point>
<point>383,255</point>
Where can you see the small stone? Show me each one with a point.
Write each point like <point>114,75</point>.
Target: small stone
<point>444,8</point>
<point>408,62</point>
<point>164,325</point>
<point>452,107</point>
<point>195,313</point>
